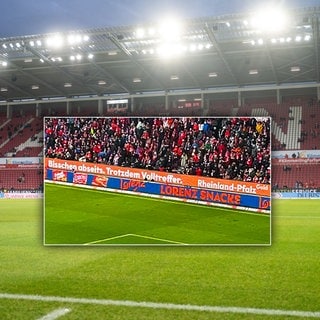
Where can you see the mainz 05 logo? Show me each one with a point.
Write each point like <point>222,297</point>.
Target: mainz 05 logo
<point>264,203</point>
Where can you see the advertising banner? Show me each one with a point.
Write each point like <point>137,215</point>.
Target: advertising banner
<point>208,196</point>
<point>169,178</point>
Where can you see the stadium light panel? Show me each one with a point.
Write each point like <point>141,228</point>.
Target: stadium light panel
<point>140,33</point>
<point>35,87</point>
<point>170,50</point>
<point>253,71</point>
<point>4,63</point>
<point>67,85</point>
<point>151,32</point>
<point>212,74</point>
<point>270,20</point>
<point>4,89</point>
<point>307,37</point>
<point>295,69</point>
<point>170,29</point>
<point>55,41</point>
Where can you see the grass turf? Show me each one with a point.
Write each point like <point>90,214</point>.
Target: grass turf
<point>78,216</point>
<point>283,276</point>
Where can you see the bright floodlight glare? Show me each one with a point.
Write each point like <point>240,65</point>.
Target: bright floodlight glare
<point>140,33</point>
<point>169,50</point>
<point>270,19</point>
<point>170,29</point>
<point>55,41</point>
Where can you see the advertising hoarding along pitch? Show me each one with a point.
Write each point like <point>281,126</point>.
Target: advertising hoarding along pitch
<point>233,186</point>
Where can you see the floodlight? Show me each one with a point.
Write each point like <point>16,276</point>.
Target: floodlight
<point>270,19</point>
<point>140,33</point>
<point>151,32</point>
<point>4,63</point>
<point>55,41</point>
<point>307,37</point>
<point>4,89</point>
<point>170,50</point>
<point>192,47</point>
<point>170,28</point>
<point>295,69</point>
<point>90,56</point>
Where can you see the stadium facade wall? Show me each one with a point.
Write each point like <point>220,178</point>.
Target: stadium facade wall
<point>236,194</point>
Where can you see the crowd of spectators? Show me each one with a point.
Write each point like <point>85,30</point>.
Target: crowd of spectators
<point>227,148</point>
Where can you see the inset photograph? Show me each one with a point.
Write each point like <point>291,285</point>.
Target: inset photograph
<point>157,181</point>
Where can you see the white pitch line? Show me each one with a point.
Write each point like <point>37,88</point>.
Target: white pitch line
<point>167,306</point>
<point>55,314</point>
<point>107,239</point>
<point>135,235</point>
<point>158,239</point>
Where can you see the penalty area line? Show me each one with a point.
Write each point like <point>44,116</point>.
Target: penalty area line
<point>167,306</point>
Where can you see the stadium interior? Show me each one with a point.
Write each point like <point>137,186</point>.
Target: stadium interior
<point>233,65</point>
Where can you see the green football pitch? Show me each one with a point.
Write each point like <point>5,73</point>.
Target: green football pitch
<point>270,282</point>
<point>81,216</point>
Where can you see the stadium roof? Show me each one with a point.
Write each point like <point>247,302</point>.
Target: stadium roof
<point>226,52</point>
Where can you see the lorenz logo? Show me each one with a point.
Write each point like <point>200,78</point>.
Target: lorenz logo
<point>132,185</point>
